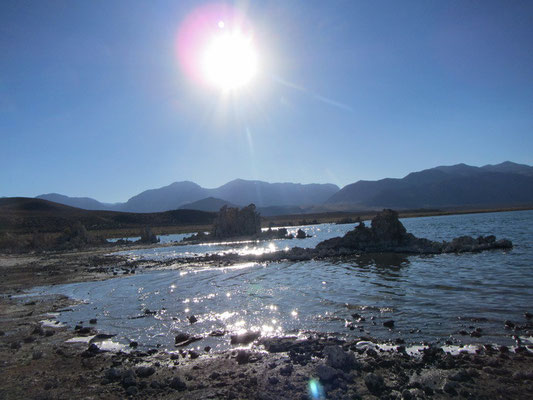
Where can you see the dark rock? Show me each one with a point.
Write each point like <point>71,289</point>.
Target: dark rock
<point>192,319</point>
<point>184,339</point>
<point>509,324</point>
<point>242,356</point>
<point>15,345</point>
<point>49,333</point>
<point>450,388</point>
<point>193,354</point>
<point>326,373</point>
<point>217,333</point>
<point>134,344</point>
<point>460,376</point>
<point>113,374</point>
<point>374,383</point>
<point>286,370</point>
<point>388,324</point>
<point>337,358</point>
<point>128,379</point>
<point>528,315</point>
<point>273,380</point>
<point>145,372</point>
<point>300,234</point>
<point>181,337</point>
<point>177,384</point>
<point>245,338</point>
<point>207,349</point>
<point>387,234</point>
<point>232,222</point>
<point>147,236</point>
<point>93,321</point>
<point>132,390</point>
<point>85,331</point>
<point>38,331</point>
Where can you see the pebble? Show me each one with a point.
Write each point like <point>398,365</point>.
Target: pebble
<point>326,373</point>
<point>144,372</point>
<point>374,383</point>
<point>128,379</point>
<point>132,390</point>
<point>243,356</point>
<point>177,384</point>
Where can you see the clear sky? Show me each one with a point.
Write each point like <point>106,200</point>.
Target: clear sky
<point>95,101</point>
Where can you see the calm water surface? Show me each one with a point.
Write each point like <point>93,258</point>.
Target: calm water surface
<point>430,298</point>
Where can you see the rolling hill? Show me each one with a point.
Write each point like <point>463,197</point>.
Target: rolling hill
<point>26,215</point>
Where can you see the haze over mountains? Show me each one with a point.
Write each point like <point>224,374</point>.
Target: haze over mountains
<point>461,185</point>
<point>238,192</point>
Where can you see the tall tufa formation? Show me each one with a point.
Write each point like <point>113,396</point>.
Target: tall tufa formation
<point>232,222</point>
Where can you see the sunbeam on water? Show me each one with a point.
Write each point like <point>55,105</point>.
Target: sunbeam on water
<point>429,298</point>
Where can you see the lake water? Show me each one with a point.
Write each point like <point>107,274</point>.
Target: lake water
<point>430,298</point>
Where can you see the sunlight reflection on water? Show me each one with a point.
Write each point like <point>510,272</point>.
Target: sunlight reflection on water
<point>429,298</point>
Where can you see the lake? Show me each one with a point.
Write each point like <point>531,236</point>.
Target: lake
<point>429,298</point>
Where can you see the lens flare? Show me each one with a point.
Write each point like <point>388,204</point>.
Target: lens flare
<point>315,390</point>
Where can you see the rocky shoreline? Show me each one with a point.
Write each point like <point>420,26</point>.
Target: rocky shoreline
<point>39,363</point>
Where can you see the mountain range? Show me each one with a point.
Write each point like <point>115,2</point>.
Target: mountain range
<point>461,185</point>
<point>238,192</point>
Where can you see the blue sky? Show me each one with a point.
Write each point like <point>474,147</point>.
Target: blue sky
<point>94,101</point>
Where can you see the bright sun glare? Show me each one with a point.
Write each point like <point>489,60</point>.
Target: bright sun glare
<point>230,60</point>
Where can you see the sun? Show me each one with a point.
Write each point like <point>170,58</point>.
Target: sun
<point>230,60</point>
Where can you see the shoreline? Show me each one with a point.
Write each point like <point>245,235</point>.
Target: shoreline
<point>39,363</point>
<point>283,368</point>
